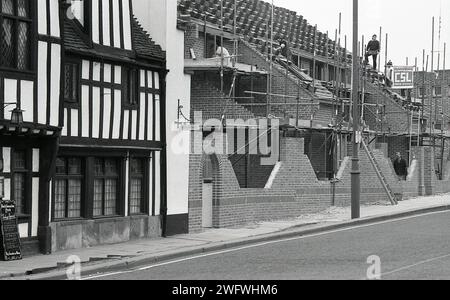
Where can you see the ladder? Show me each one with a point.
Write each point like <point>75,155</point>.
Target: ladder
<point>383,179</point>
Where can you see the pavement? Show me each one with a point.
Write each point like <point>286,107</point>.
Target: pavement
<point>107,258</point>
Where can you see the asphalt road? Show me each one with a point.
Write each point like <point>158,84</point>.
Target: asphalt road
<point>411,248</point>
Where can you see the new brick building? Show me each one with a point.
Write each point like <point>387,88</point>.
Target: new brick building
<point>313,171</point>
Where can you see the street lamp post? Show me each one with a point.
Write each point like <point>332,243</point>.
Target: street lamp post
<point>355,173</point>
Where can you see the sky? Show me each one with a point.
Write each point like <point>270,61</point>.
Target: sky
<point>407,22</point>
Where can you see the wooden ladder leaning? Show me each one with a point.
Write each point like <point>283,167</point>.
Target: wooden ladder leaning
<point>384,182</point>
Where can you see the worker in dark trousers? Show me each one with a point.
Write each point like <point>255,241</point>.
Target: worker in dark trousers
<point>401,167</point>
<point>373,49</point>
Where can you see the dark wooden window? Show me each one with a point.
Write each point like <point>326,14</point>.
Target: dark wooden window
<point>137,191</point>
<point>437,91</point>
<point>15,34</point>
<point>106,187</point>
<point>130,87</point>
<point>71,82</point>
<point>67,188</point>
<point>20,181</point>
<point>422,92</point>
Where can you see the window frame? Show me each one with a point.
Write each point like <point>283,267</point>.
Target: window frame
<point>26,214</point>
<point>66,177</point>
<point>88,178</point>
<point>73,102</point>
<point>423,92</point>
<point>130,89</point>
<point>32,36</point>
<point>145,176</point>
<point>104,177</point>
<point>435,88</point>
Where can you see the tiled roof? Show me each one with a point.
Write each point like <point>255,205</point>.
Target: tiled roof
<point>143,43</point>
<point>72,38</point>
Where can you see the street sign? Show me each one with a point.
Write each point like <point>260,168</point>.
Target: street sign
<point>10,248</point>
<point>403,77</point>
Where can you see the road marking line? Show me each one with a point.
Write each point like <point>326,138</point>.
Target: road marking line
<point>261,244</point>
<point>415,265</point>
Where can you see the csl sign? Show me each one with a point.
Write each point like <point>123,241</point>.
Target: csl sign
<point>403,77</point>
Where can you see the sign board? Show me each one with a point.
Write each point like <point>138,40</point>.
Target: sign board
<point>403,77</point>
<point>10,248</point>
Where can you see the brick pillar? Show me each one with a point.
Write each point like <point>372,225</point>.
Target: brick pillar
<point>419,153</point>
<point>191,36</point>
<point>428,170</point>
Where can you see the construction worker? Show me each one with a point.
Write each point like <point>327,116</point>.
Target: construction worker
<point>223,52</point>
<point>390,74</point>
<point>401,167</point>
<point>373,49</point>
<point>281,52</point>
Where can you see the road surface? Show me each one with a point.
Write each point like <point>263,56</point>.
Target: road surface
<point>410,248</point>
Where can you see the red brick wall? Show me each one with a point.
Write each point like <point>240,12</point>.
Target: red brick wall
<point>296,190</point>
<point>397,119</point>
<point>250,55</point>
<point>205,97</point>
<point>372,190</point>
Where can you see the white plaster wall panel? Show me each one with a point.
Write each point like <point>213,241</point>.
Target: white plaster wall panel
<point>107,73</point>
<point>126,124</point>
<point>42,83</point>
<point>74,122</point>
<point>85,69</point>
<point>117,74</point>
<point>64,131</point>
<point>95,22</point>
<point>55,86</point>
<point>85,111</point>
<point>142,125</point>
<point>42,16</point>
<point>116,23</point>
<point>106,23</point>
<point>27,100</point>
<point>35,207</point>
<point>126,24</point>
<point>54,18</point>
<point>150,117</point>
<point>117,114</point>
<point>95,112</point>
<point>106,113</point>
<point>96,71</point>
<point>157,118</point>
<point>36,157</point>
<point>10,96</point>
<point>134,115</point>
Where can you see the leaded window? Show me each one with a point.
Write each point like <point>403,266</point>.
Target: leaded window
<point>130,87</point>
<point>71,82</point>
<point>106,187</point>
<point>137,167</point>
<point>68,188</point>
<point>20,174</point>
<point>15,31</point>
